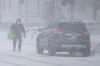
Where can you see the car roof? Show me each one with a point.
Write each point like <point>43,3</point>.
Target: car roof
<point>69,22</point>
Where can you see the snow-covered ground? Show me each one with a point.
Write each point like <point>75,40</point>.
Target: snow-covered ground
<point>29,57</point>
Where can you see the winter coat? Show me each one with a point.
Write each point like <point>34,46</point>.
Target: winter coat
<point>18,29</point>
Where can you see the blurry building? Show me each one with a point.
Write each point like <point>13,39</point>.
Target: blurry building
<point>48,12</point>
<point>62,10</point>
<point>33,11</point>
<point>28,10</point>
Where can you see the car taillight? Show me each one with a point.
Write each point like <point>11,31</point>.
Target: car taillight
<point>87,46</point>
<point>58,31</point>
<point>86,34</point>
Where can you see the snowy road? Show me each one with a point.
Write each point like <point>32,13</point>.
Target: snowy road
<point>13,60</point>
<point>29,57</point>
<point>19,59</point>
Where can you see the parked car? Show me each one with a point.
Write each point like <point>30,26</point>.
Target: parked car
<point>69,37</point>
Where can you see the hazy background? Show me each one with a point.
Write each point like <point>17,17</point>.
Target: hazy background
<point>36,12</point>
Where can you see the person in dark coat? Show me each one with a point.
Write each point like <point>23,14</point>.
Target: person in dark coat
<point>18,29</point>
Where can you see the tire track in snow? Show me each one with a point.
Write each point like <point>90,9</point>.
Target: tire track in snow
<point>11,60</point>
<point>10,63</point>
<point>30,59</point>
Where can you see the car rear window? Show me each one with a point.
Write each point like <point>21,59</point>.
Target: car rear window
<point>73,27</point>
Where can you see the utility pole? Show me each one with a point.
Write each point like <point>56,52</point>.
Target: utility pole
<point>72,4</point>
<point>26,11</point>
<point>0,10</point>
<point>96,8</point>
<point>49,10</point>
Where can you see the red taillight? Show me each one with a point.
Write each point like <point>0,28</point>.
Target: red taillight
<point>86,33</point>
<point>58,31</point>
<point>87,46</point>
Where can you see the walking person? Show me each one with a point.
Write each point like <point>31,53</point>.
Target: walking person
<point>18,29</point>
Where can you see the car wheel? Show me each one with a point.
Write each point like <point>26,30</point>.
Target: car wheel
<point>39,49</point>
<point>72,52</point>
<point>51,50</point>
<point>86,53</point>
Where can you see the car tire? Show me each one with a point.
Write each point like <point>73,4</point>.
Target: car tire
<point>86,52</point>
<point>72,52</point>
<point>40,51</point>
<point>38,48</point>
<point>51,49</point>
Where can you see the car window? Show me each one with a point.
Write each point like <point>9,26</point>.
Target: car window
<point>50,25</point>
<point>72,27</point>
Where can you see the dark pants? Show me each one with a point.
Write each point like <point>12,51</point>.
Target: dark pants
<point>19,43</point>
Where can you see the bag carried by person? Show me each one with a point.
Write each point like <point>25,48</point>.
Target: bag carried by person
<point>10,35</point>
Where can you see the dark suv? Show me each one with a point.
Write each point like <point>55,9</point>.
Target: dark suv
<point>71,37</point>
